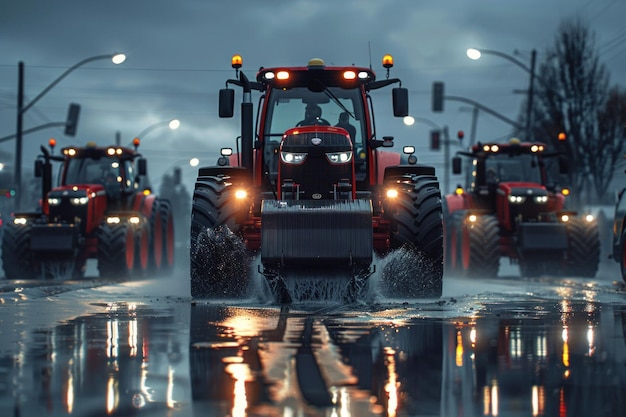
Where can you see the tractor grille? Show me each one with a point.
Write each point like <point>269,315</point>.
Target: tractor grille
<point>329,139</point>
<point>316,177</point>
<point>527,211</point>
<point>69,213</point>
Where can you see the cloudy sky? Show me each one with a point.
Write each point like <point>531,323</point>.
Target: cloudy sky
<point>179,57</point>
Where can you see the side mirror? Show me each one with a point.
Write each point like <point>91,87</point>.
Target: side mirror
<point>227,102</point>
<point>400,97</point>
<point>387,141</point>
<point>142,166</point>
<point>456,165</point>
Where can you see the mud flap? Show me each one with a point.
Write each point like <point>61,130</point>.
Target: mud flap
<point>311,232</point>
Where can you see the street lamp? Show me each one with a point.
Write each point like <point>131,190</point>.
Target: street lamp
<point>21,109</point>
<point>475,54</point>
<point>172,124</point>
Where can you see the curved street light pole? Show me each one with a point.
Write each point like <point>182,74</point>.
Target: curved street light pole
<point>476,54</point>
<point>21,109</point>
<point>172,124</point>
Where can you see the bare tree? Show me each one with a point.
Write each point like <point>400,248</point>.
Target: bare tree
<point>573,97</point>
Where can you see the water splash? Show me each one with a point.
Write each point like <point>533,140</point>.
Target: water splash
<point>404,273</point>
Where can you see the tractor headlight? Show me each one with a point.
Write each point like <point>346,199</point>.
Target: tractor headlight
<point>517,199</point>
<point>392,193</point>
<point>20,221</point>
<point>79,201</point>
<point>339,157</point>
<point>54,201</point>
<point>541,199</point>
<point>113,220</point>
<point>294,158</point>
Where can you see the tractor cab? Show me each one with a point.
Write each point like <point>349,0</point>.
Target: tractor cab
<point>111,167</point>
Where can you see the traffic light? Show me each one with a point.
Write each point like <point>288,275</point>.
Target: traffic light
<point>460,134</point>
<point>437,96</point>
<point>72,119</point>
<point>435,140</point>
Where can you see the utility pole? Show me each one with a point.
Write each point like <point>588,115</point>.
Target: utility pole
<point>17,169</point>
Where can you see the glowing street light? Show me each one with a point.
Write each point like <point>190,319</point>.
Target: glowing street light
<point>172,124</point>
<point>476,54</point>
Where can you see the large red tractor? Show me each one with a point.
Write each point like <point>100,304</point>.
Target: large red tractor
<point>314,197</point>
<point>102,208</point>
<point>512,207</point>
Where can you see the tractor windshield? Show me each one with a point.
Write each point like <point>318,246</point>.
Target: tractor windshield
<point>106,171</point>
<point>300,106</point>
<point>506,168</point>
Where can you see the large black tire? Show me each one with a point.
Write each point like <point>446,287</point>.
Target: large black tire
<point>417,239</point>
<point>453,226</point>
<point>169,236</point>
<point>218,258</point>
<point>142,250</point>
<point>155,253</point>
<point>116,250</point>
<point>583,247</point>
<point>17,259</point>
<point>480,247</point>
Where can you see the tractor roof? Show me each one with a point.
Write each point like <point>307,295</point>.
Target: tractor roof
<point>316,71</point>
<point>513,147</point>
<point>91,150</point>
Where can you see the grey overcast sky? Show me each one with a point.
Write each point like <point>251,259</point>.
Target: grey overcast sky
<point>178,57</point>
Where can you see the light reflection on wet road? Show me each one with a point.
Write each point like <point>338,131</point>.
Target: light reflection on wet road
<point>503,347</point>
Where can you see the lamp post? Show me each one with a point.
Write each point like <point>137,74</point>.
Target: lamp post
<point>22,108</point>
<point>172,124</point>
<point>475,54</point>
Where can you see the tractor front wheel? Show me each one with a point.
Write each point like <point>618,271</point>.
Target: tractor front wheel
<point>480,246</point>
<point>218,257</point>
<point>17,259</point>
<point>116,250</point>
<point>583,247</point>
<point>415,267</point>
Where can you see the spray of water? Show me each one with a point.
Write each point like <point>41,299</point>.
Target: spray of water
<point>403,273</point>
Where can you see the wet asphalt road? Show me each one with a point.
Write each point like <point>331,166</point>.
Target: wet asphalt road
<point>506,347</point>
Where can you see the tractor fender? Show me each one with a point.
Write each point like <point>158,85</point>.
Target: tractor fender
<point>454,203</point>
<point>235,174</point>
<point>400,171</point>
<point>143,204</point>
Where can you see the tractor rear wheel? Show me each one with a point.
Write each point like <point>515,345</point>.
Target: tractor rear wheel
<point>417,238</point>
<point>142,250</point>
<point>156,237</point>
<point>169,238</point>
<point>218,258</point>
<point>116,250</point>
<point>17,259</point>
<point>480,247</point>
<point>583,248</point>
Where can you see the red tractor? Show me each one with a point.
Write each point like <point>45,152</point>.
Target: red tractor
<point>315,198</point>
<point>102,209</point>
<point>510,207</point>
